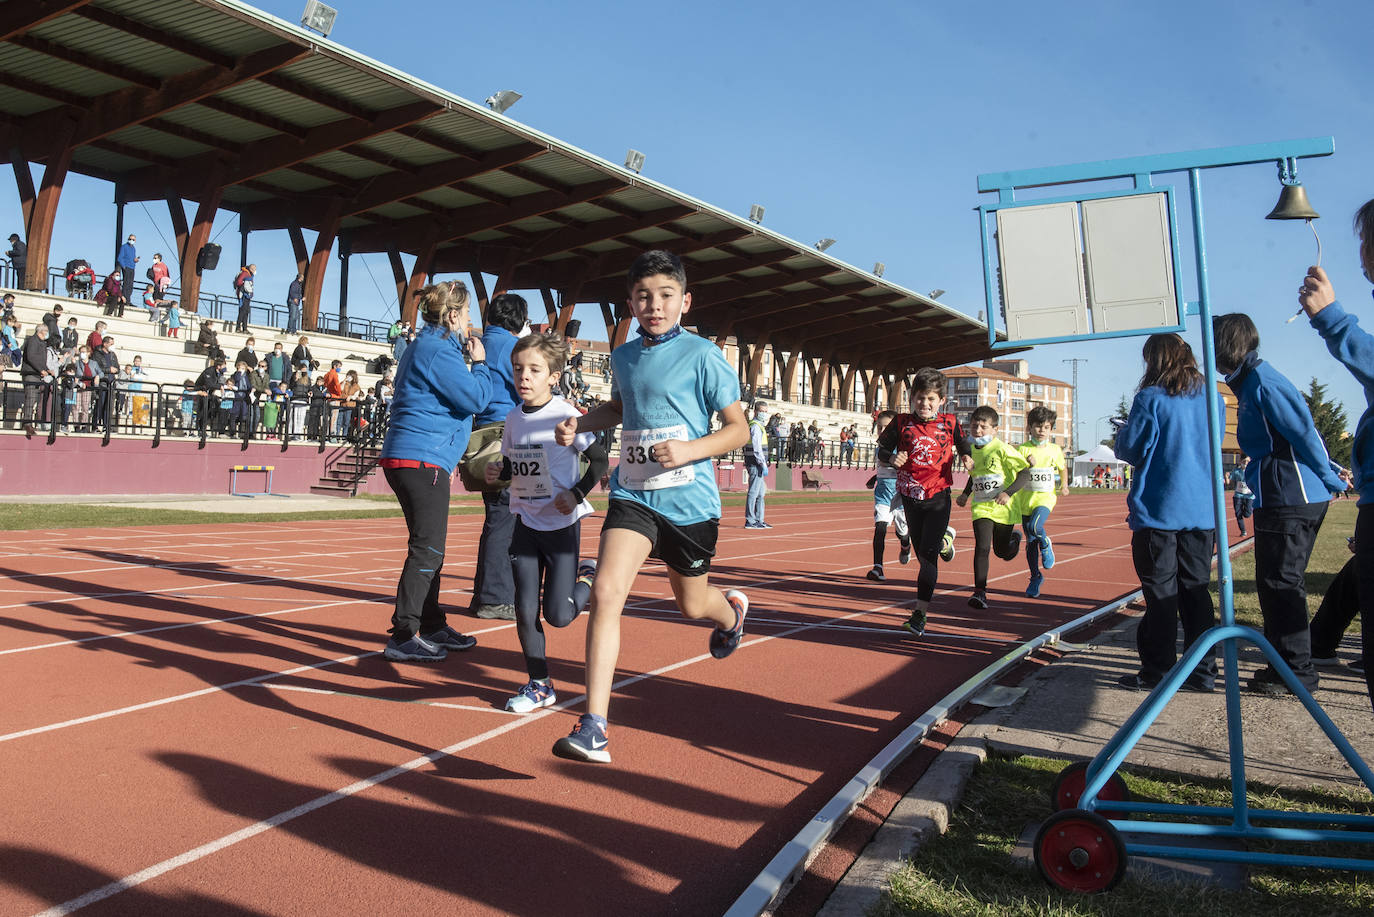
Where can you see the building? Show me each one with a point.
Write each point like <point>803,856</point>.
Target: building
<point>1009,388</point>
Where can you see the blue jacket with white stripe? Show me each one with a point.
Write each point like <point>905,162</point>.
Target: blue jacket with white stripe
<point>1354,347</point>
<point>1289,465</point>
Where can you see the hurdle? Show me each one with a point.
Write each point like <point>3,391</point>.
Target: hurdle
<point>234,481</point>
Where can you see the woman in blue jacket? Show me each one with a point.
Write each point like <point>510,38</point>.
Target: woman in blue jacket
<point>1354,347</point>
<point>1169,510</point>
<point>1292,478</point>
<point>431,419</point>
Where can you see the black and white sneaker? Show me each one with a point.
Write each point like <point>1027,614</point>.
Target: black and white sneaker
<point>416,649</point>
<point>587,741</point>
<point>449,639</point>
<point>876,574</point>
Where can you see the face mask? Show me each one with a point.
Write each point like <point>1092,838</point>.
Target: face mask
<point>525,330</point>
<point>981,441</point>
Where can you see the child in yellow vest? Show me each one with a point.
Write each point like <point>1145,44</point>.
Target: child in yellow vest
<point>1036,500</point>
<point>994,482</point>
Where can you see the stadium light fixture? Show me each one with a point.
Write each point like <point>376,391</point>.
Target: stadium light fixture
<point>756,213</point>
<point>936,293</point>
<point>878,268</point>
<point>500,101</point>
<point>634,161</point>
<point>319,18</point>
<point>824,244</point>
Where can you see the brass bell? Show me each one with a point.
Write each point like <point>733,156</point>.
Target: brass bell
<point>1293,205</point>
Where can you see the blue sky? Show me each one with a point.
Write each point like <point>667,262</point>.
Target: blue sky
<point>870,121</point>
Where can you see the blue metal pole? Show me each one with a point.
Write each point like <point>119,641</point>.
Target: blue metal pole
<point>1215,426</point>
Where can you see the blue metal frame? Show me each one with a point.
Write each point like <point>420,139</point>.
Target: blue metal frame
<point>1228,634</point>
<point>1143,185</point>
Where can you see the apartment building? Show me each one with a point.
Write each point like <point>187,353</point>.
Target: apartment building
<point>1009,388</point>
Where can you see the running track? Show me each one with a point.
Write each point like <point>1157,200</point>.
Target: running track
<point>197,718</point>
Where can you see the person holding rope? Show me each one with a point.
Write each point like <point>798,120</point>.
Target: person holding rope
<point>431,419</point>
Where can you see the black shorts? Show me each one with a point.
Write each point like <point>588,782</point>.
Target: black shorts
<point>686,549</point>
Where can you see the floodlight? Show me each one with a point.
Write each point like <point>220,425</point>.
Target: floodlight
<point>936,293</point>
<point>318,17</point>
<point>500,101</point>
<point>756,213</point>
<point>634,161</point>
<point>878,268</point>
<point>824,244</point>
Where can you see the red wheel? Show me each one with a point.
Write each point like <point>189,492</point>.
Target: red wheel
<point>1080,851</point>
<point>1073,780</point>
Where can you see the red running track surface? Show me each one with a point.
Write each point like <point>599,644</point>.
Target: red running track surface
<point>198,718</point>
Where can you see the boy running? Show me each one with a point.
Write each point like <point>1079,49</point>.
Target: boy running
<point>548,500</point>
<point>664,501</point>
<point>887,508</point>
<point>1036,500</point>
<point>992,484</point>
<point>921,446</point>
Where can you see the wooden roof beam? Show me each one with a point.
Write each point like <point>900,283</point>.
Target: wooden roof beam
<point>93,62</point>
<point>253,116</point>
<point>44,91</point>
<point>152,32</point>
<point>18,18</point>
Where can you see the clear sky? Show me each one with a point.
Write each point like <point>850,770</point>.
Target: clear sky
<point>870,121</point>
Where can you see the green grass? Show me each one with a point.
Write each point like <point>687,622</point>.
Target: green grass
<point>970,872</point>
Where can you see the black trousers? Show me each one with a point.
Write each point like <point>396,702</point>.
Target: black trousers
<point>994,537</point>
<point>1284,536</point>
<point>1175,568</point>
<point>493,583</point>
<point>926,522</point>
<point>547,560</point>
<point>423,494</point>
<point>1338,609</point>
<point>1364,563</point>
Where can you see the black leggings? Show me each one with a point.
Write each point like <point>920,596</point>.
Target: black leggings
<point>926,522</point>
<point>423,494</point>
<point>995,536</point>
<point>550,557</point>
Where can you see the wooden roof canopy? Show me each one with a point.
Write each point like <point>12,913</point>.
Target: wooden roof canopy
<point>216,102</point>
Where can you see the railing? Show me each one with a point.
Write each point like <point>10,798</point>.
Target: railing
<point>125,408</point>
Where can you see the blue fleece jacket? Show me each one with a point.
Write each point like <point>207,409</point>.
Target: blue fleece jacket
<point>1289,465</point>
<point>436,396</point>
<point>499,343</point>
<point>1354,347</point>
<point>1165,438</point>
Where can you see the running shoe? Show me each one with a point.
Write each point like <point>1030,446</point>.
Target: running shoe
<point>947,545</point>
<point>450,639</point>
<point>1138,681</point>
<point>496,612</point>
<point>1046,552</point>
<point>1356,666</point>
<point>905,555</point>
<point>723,642</point>
<point>979,599</point>
<point>586,572</point>
<point>587,741</point>
<point>876,574</point>
<point>416,649</point>
<point>916,624</point>
<point>532,696</point>
<point>1326,662</point>
<point>1033,590</point>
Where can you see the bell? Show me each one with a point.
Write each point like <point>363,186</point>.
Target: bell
<point>1293,205</point>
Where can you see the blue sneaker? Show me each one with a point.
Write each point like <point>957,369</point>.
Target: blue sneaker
<point>1046,552</point>
<point>1033,590</point>
<point>450,639</point>
<point>723,642</point>
<point>587,741</point>
<point>533,695</point>
<point>416,649</point>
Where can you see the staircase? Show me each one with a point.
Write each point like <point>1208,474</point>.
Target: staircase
<point>346,469</point>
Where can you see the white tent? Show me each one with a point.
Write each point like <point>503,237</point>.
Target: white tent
<point>1084,464</point>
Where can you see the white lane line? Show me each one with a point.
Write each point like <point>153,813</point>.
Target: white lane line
<point>387,700</point>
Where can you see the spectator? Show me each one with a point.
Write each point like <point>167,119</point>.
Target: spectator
<point>295,295</point>
<point>66,382</point>
<point>160,275</point>
<point>173,319</point>
<point>71,338</point>
<point>111,294</point>
<point>7,307</point>
<point>188,405</point>
<point>86,377</point>
<point>1172,528</point>
<point>333,393</point>
<point>300,404</point>
<point>106,400</point>
<point>53,319</point>
<point>37,378</point>
<point>209,388</point>
<point>14,349</point>
<point>207,342</point>
<point>240,395</point>
<point>243,288</point>
<point>278,367</point>
<point>19,258</point>
<point>348,402</point>
<point>153,303</point>
<point>136,379</point>
<point>125,261</point>
<point>756,468</point>
<point>398,347</point>
<point>96,337</point>
<point>248,355</point>
<point>80,278</point>
<point>262,389</point>
<point>300,357</point>
<point>317,417</point>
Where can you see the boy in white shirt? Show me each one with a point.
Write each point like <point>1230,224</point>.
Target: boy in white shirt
<point>548,499</point>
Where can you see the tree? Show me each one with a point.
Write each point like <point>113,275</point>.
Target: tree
<point>1123,411</point>
<point>1329,418</point>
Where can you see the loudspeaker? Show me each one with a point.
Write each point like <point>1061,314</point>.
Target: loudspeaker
<point>208,259</point>
<point>574,326</point>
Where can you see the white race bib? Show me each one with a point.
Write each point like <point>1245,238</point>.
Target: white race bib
<point>639,472</point>
<point>1041,480</point>
<point>986,487</point>
<point>529,473</point>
